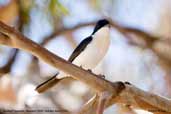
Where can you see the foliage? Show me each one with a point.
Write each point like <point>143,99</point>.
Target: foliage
<point>57,9</point>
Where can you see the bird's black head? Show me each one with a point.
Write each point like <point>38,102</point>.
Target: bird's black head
<point>100,24</point>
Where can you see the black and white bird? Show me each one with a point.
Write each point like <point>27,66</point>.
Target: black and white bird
<point>87,54</point>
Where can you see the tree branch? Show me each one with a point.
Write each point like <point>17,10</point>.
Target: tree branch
<point>21,42</point>
<point>64,30</point>
<point>149,41</point>
<point>144,100</point>
<point>119,92</point>
<point>4,40</point>
<point>7,67</point>
<point>124,30</point>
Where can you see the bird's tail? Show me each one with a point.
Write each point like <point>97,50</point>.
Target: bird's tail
<point>47,84</point>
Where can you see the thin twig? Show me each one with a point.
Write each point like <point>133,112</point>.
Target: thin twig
<point>7,67</point>
<point>64,30</point>
<point>101,102</point>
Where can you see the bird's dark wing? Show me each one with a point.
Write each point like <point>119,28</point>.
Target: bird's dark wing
<point>80,48</point>
<point>53,81</point>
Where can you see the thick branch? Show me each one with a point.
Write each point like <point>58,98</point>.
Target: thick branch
<point>21,42</point>
<point>140,99</point>
<point>121,92</point>
<point>133,97</point>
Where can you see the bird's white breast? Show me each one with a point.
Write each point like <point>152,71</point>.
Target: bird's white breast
<point>95,51</point>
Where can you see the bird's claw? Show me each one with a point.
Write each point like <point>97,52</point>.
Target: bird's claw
<point>127,83</point>
<point>102,76</point>
<point>89,70</point>
<point>81,67</point>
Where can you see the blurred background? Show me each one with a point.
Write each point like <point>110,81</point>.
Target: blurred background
<point>140,50</point>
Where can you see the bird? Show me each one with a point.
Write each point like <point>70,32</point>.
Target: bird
<point>86,55</point>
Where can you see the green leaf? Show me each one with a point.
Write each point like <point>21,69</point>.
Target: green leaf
<point>63,9</point>
<point>26,7</point>
<point>56,8</point>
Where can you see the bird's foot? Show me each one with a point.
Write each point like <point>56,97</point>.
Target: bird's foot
<point>89,70</point>
<point>127,83</point>
<point>102,76</point>
<point>81,67</point>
